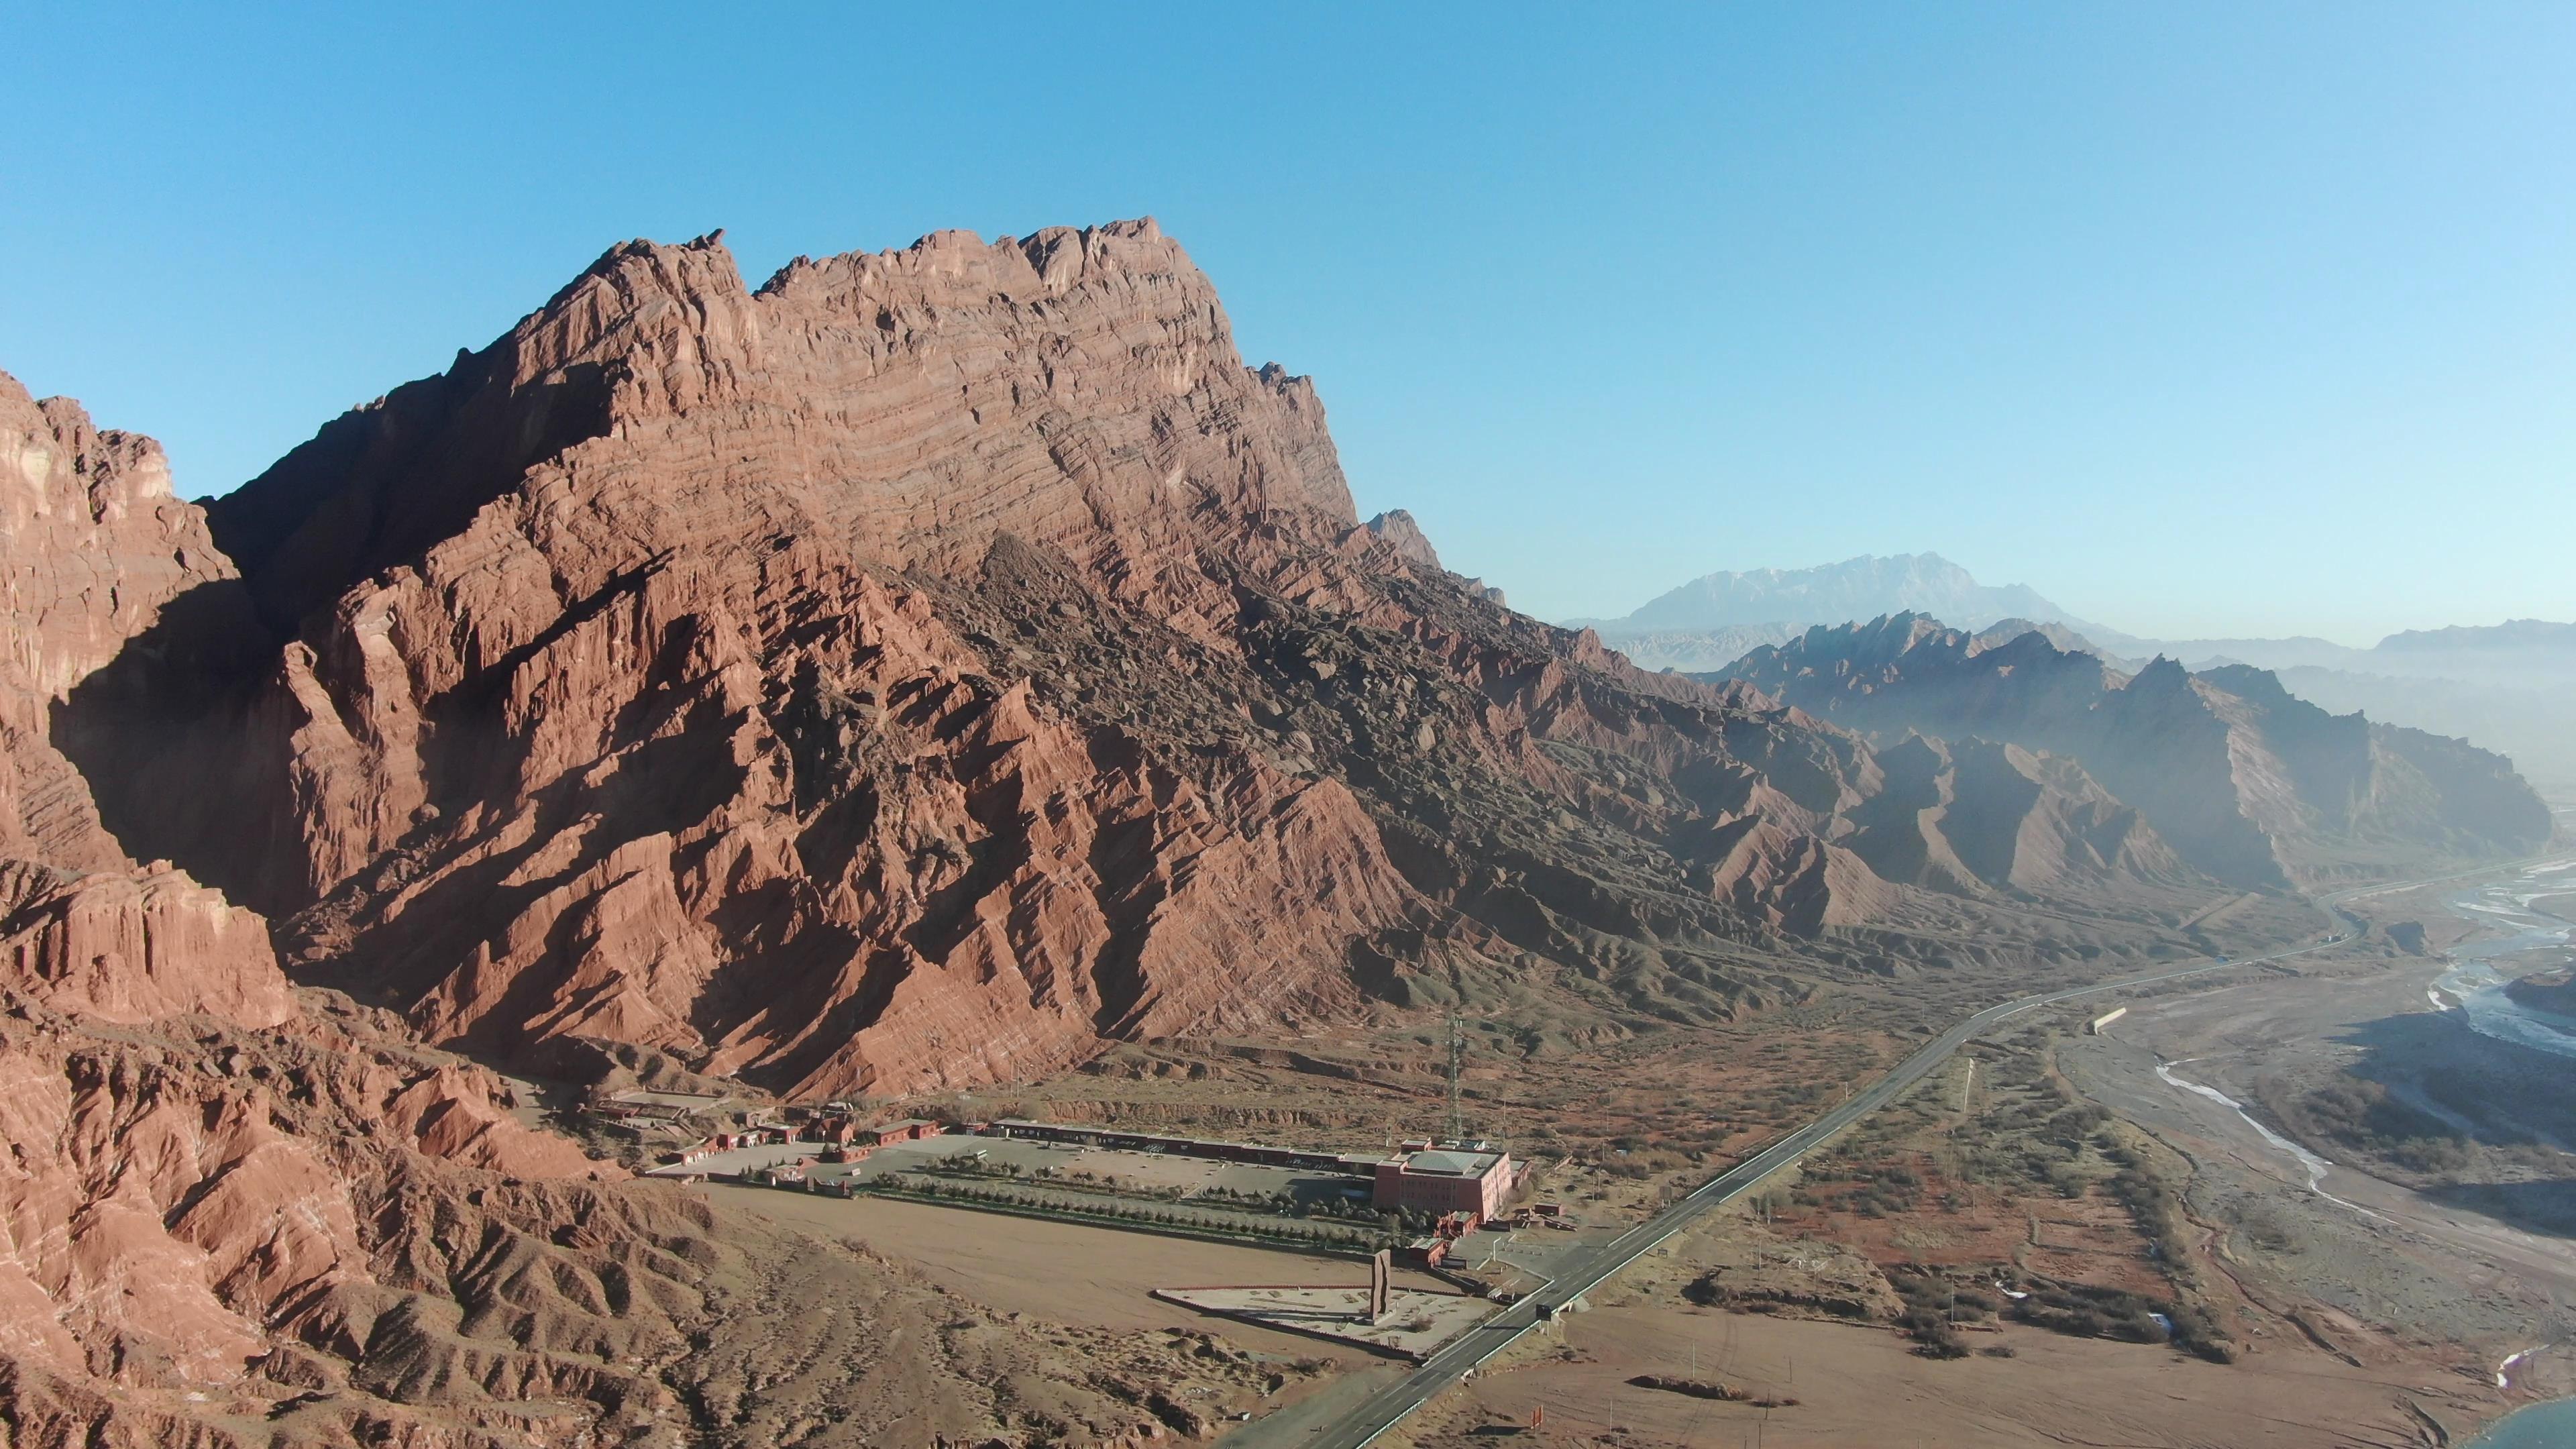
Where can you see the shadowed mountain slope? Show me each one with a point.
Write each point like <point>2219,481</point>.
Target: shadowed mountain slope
<point>234,1213</point>
<point>2248,784</point>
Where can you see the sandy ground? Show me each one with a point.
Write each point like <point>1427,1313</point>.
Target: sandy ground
<point>2364,1313</point>
<point>1063,1272</point>
<point>1864,1387</point>
<point>1102,1278</point>
<point>2373,1249</point>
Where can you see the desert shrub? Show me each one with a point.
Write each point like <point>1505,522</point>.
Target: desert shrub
<point>2072,1125</point>
<point>2363,1117</point>
<point>2194,1329</point>
<point>2137,1325</point>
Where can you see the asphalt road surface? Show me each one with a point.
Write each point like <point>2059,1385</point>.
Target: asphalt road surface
<point>1580,1275</point>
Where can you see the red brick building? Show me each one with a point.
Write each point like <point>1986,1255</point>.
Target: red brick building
<point>1446,1180</point>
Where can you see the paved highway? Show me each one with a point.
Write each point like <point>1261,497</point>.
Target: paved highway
<point>1383,1410</point>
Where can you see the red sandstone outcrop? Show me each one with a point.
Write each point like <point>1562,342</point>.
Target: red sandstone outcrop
<point>136,947</point>
<point>92,543</point>
<point>196,1169</point>
<point>1406,537</point>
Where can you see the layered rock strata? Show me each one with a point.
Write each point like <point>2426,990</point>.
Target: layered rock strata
<point>917,671</point>
<point>233,1214</point>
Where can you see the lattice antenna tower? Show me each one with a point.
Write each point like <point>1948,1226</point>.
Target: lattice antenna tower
<point>1457,1045</point>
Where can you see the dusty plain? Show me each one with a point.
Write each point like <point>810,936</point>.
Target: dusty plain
<point>2357,1310</point>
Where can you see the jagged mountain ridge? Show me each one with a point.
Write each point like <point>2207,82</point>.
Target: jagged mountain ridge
<point>922,669</point>
<point>237,1213</point>
<point>2250,785</point>
<point>2509,687</point>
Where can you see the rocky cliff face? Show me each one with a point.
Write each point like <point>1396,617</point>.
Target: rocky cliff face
<point>2243,782</point>
<point>234,1214</point>
<point>96,543</point>
<point>93,546</point>
<point>917,671</point>
<point>198,1168</point>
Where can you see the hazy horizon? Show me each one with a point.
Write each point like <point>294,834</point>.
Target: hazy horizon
<point>1987,582</point>
<point>2201,323</point>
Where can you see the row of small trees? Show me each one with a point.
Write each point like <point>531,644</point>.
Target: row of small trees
<point>1413,1222</point>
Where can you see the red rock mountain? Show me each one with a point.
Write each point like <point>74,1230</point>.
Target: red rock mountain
<point>199,1168</point>
<point>930,665</point>
<point>236,1213</point>
<point>913,671</point>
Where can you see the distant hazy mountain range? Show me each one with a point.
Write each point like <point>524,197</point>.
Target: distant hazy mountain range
<point>1857,588</point>
<point>2509,687</point>
<point>2221,771</point>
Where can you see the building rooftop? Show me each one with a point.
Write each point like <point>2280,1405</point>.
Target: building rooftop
<point>1452,1164</point>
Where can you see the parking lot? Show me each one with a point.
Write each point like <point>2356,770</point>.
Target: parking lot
<point>1144,1173</point>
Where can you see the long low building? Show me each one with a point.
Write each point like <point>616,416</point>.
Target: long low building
<point>1256,1154</point>
<point>1471,1178</point>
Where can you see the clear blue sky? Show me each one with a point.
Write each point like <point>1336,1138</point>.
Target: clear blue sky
<point>2201,319</point>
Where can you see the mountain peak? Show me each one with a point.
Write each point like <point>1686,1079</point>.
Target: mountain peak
<point>909,404</point>
<point>1405,536</point>
<point>1864,587</point>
